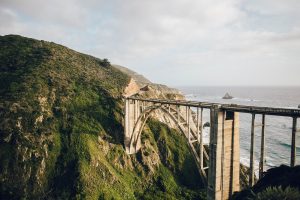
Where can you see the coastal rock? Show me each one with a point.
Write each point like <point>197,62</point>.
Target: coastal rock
<point>206,124</point>
<point>131,89</point>
<point>273,180</point>
<point>227,96</point>
<point>152,89</point>
<point>145,88</point>
<point>141,87</point>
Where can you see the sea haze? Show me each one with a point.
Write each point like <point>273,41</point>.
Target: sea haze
<point>278,130</point>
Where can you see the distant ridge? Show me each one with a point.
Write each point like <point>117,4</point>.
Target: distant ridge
<point>142,81</point>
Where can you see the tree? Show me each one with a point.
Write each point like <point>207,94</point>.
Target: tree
<point>105,62</point>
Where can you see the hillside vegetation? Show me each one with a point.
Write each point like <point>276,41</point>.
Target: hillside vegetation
<point>61,132</point>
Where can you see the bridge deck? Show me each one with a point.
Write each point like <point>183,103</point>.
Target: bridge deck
<point>288,112</point>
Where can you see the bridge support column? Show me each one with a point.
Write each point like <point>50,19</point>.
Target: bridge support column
<point>224,155</point>
<point>132,111</point>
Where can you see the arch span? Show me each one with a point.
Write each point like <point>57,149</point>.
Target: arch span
<point>144,116</point>
<point>137,115</point>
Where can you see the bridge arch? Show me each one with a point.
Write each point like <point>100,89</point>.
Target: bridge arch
<point>136,115</point>
<point>142,119</point>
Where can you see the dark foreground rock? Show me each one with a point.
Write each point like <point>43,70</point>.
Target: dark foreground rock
<point>283,180</point>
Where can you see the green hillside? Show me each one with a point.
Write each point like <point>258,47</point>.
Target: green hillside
<point>61,133</point>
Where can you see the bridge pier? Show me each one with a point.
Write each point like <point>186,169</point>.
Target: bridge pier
<point>132,113</point>
<point>224,148</point>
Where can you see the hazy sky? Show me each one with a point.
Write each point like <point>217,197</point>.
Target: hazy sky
<point>175,42</point>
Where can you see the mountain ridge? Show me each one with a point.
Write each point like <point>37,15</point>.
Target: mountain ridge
<point>142,81</point>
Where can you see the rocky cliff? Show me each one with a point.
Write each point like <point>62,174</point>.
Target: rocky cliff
<point>139,86</point>
<point>281,182</point>
<point>61,132</point>
<point>146,88</point>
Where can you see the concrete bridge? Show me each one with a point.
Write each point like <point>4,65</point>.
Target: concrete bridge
<point>219,162</point>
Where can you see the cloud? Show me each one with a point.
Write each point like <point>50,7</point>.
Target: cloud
<point>68,13</point>
<point>186,38</point>
<point>274,7</point>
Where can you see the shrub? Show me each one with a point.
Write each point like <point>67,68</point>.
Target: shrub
<point>277,193</point>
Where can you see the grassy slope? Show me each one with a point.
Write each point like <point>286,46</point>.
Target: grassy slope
<point>61,131</point>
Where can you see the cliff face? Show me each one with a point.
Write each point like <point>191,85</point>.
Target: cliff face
<point>149,89</point>
<point>140,79</point>
<point>61,133</point>
<point>139,86</point>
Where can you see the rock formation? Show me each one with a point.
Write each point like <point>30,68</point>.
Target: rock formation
<point>227,96</point>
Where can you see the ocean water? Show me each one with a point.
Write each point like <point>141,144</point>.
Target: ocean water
<point>278,130</point>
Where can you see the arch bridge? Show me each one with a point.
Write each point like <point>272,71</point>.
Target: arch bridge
<point>219,161</point>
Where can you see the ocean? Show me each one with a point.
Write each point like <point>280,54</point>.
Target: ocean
<point>278,130</point>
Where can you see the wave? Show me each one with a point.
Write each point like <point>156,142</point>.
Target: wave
<point>278,129</point>
<point>217,98</point>
<point>247,100</point>
<point>190,96</point>
<point>288,146</point>
<point>244,161</point>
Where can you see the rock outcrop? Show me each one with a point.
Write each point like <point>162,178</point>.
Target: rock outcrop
<point>227,96</point>
<point>281,182</point>
<point>132,88</point>
<point>151,89</point>
<point>139,86</point>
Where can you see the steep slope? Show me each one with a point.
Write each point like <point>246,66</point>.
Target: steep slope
<point>61,133</point>
<point>140,79</point>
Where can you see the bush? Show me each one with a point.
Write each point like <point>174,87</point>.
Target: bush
<point>105,62</point>
<point>277,193</point>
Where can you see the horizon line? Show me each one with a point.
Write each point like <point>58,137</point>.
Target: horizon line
<point>234,86</point>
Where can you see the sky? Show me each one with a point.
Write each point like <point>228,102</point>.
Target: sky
<point>173,42</point>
